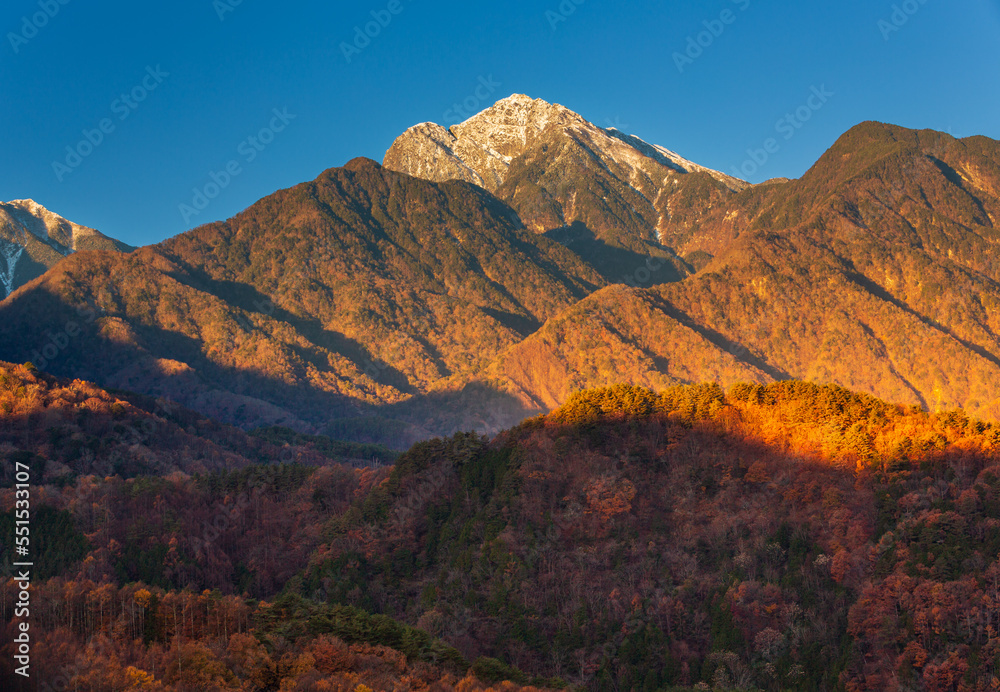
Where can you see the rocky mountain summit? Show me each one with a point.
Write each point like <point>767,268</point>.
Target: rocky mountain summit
<point>612,196</point>
<point>483,149</point>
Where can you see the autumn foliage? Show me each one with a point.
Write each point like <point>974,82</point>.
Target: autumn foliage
<point>780,537</point>
<point>758,539</point>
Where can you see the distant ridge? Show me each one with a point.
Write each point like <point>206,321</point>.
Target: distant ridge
<point>33,239</point>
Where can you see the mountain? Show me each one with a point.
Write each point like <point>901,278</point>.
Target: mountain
<point>361,289</point>
<point>375,306</point>
<point>142,510</point>
<point>879,270</point>
<point>880,259</point>
<point>73,435</point>
<point>613,198</point>
<point>72,428</point>
<point>33,239</point>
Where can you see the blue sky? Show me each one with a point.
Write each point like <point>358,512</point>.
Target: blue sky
<point>212,74</point>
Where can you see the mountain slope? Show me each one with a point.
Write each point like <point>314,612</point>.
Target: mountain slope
<point>608,195</point>
<point>33,239</point>
<point>788,536</point>
<point>72,428</point>
<point>620,334</point>
<point>884,256</point>
<point>878,270</point>
<point>141,510</point>
<point>359,289</point>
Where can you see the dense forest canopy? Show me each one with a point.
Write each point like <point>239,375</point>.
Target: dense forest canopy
<point>787,536</point>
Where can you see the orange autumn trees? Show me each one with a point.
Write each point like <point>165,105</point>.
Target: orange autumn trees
<point>73,428</point>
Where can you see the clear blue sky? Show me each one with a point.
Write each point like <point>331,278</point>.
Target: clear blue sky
<point>613,62</point>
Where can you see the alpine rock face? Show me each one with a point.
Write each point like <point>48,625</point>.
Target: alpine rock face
<point>483,149</point>
<point>33,239</point>
<point>609,195</point>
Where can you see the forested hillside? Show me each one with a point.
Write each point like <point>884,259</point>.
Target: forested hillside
<point>787,536</point>
<point>72,428</point>
<point>156,535</point>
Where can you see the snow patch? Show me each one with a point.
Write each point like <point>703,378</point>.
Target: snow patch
<point>11,254</point>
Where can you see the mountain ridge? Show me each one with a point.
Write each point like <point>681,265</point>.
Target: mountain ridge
<point>380,306</point>
<point>496,132</point>
<point>396,283</point>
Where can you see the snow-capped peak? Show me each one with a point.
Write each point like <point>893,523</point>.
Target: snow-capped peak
<point>45,225</point>
<point>29,229</point>
<point>480,149</point>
